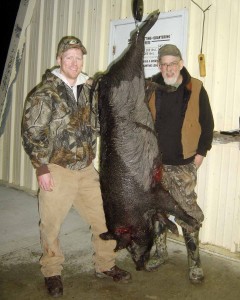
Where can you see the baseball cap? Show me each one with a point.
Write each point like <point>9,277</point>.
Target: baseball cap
<point>169,49</point>
<point>69,42</point>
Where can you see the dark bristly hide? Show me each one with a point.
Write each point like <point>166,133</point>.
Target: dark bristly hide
<point>130,162</point>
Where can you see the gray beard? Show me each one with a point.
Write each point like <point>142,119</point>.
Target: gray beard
<point>171,81</point>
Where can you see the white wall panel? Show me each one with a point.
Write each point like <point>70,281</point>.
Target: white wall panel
<point>218,184</point>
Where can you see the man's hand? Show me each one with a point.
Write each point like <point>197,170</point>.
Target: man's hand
<point>198,160</point>
<point>45,182</point>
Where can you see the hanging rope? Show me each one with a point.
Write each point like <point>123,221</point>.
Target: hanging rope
<point>203,10</point>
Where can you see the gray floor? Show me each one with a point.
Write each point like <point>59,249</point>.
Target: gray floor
<point>20,277</point>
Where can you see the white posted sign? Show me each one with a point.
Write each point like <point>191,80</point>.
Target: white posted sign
<point>170,28</point>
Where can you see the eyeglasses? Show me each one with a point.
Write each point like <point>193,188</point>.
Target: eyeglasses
<point>173,64</point>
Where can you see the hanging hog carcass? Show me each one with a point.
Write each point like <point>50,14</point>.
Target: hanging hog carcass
<point>130,161</point>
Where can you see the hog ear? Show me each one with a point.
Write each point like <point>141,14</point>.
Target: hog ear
<point>172,227</point>
<point>123,241</point>
<point>107,236</point>
<point>163,219</point>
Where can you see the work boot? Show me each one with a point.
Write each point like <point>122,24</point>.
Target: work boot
<point>54,286</point>
<point>194,263</point>
<point>160,255</point>
<point>115,273</point>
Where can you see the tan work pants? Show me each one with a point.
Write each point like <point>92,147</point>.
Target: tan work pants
<point>81,190</point>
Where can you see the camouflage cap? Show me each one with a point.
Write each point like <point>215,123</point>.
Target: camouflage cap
<point>69,42</point>
<point>169,49</point>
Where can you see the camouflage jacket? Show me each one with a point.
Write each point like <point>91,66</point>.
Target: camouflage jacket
<point>58,129</point>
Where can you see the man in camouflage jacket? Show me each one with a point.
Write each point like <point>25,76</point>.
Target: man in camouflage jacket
<point>59,136</point>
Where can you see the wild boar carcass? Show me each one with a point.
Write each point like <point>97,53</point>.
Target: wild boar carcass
<point>130,161</point>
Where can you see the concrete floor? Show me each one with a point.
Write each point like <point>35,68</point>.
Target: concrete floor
<point>20,276</point>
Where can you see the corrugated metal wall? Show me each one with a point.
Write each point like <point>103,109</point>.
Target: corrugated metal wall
<point>218,185</point>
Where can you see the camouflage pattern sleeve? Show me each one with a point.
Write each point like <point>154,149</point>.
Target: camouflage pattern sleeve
<point>94,118</point>
<point>35,128</point>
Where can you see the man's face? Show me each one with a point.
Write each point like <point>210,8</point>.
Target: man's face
<point>170,67</point>
<point>71,63</point>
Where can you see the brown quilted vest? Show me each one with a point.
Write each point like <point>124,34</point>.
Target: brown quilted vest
<point>191,128</point>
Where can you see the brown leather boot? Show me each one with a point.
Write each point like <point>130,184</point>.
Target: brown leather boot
<point>116,274</point>
<point>54,286</point>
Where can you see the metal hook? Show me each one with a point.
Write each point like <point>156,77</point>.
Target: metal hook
<point>203,10</point>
